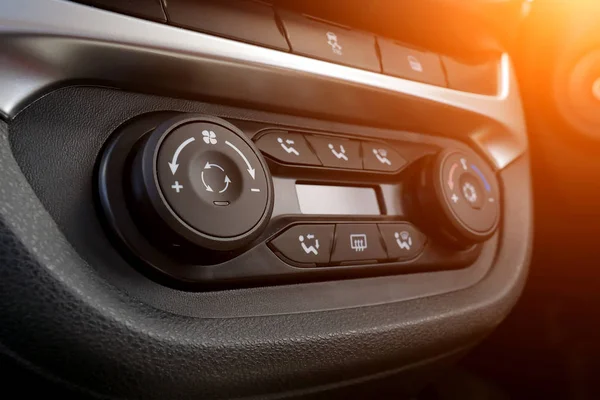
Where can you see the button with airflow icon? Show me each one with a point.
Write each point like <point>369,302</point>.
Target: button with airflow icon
<point>402,240</point>
<point>308,245</point>
<point>288,148</point>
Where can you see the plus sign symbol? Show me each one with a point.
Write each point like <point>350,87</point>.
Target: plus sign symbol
<point>177,186</point>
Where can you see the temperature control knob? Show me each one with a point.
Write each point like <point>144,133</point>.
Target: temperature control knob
<point>458,196</point>
<point>198,178</point>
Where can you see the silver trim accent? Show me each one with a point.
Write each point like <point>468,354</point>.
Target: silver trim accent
<point>337,200</point>
<point>47,43</point>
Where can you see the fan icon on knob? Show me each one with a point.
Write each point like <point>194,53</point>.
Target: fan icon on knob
<point>209,137</point>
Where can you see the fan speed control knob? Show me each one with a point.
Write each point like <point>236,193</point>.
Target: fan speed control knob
<point>198,180</point>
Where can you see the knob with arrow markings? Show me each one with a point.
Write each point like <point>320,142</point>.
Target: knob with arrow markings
<point>455,196</point>
<point>203,180</point>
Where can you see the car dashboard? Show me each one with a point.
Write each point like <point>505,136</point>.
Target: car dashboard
<point>231,199</point>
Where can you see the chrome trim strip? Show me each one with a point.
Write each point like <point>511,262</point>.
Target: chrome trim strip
<point>46,43</point>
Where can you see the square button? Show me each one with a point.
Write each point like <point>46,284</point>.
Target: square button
<point>411,64</point>
<point>307,244</point>
<point>330,42</point>
<point>379,157</point>
<point>357,242</point>
<point>403,241</point>
<point>339,153</point>
<point>287,147</point>
<point>477,78</point>
<point>247,21</point>
<point>147,9</point>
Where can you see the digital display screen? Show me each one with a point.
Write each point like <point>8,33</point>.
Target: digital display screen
<point>337,200</point>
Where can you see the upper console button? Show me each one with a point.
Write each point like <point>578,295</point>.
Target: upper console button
<point>357,242</point>
<point>147,9</point>
<point>287,147</point>
<point>477,78</point>
<point>330,42</point>
<point>242,20</point>
<point>411,64</point>
<point>333,152</point>
<point>307,244</point>
<point>380,157</point>
<point>403,241</point>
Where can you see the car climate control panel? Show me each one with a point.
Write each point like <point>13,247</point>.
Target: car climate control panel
<point>198,199</point>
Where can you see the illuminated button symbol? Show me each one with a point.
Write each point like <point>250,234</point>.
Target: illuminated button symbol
<point>469,192</point>
<point>403,240</point>
<point>332,40</point>
<point>177,186</point>
<point>308,249</point>
<point>340,155</point>
<point>358,242</point>
<point>451,176</point>
<point>487,185</point>
<point>226,181</point>
<point>288,146</point>
<point>381,155</point>
<point>209,137</point>
<point>415,64</point>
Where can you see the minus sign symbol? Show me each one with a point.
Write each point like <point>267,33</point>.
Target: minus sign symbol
<point>255,190</point>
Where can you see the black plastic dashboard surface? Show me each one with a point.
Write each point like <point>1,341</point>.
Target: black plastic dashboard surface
<point>252,263</point>
<point>62,174</point>
<point>82,299</point>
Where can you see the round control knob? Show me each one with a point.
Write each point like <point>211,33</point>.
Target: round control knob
<point>458,196</point>
<point>199,178</point>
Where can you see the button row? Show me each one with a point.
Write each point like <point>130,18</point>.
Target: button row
<point>256,23</point>
<point>324,244</point>
<point>296,148</point>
